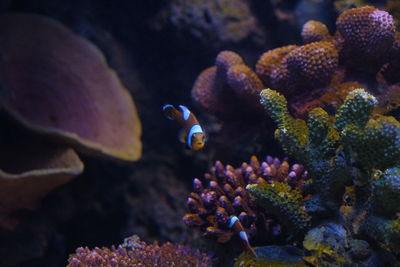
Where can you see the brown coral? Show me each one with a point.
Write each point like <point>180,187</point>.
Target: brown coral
<point>368,35</point>
<point>223,194</point>
<point>58,84</point>
<point>271,60</point>
<point>315,31</point>
<point>307,67</point>
<point>221,89</point>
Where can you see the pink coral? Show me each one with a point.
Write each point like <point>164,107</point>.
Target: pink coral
<point>138,253</point>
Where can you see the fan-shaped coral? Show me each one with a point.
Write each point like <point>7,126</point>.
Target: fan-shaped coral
<point>58,84</point>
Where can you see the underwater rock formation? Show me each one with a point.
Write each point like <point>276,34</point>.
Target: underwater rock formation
<point>225,193</point>
<point>134,252</point>
<point>215,23</point>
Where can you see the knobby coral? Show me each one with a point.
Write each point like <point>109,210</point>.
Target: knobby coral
<point>220,89</point>
<point>225,193</point>
<point>351,148</point>
<point>365,45</point>
<point>137,253</point>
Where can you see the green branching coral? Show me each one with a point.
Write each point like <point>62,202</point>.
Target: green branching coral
<point>387,192</point>
<point>314,143</point>
<point>280,200</point>
<point>353,147</point>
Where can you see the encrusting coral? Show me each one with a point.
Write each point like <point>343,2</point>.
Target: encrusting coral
<point>225,193</point>
<point>134,252</point>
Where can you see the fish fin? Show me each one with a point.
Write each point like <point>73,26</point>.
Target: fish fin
<point>182,136</point>
<point>171,112</point>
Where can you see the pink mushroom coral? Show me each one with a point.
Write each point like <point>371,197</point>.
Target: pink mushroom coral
<point>58,84</point>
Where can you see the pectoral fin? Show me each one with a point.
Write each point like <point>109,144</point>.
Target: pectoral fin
<point>182,136</point>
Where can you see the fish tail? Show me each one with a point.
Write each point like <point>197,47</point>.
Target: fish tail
<point>239,229</point>
<point>171,112</point>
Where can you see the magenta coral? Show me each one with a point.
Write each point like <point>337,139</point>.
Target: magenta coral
<point>223,194</point>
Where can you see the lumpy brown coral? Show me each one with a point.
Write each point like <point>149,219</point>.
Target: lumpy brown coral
<point>219,89</point>
<point>368,35</point>
<point>223,194</point>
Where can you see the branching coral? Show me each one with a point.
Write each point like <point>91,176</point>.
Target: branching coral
<point>224,194</point>
<point>137,253</point>
<point>353,147</point>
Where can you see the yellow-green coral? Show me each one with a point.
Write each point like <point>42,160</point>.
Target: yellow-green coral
<point>282,201</point>
<point>387,193</point>
<point>355,147</point>
<point>247,260</point>
<point>292,133</point>
<point>356,110</point>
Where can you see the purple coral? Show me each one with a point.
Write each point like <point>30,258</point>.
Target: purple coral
<point>223,194</point>
<point>139,254</point>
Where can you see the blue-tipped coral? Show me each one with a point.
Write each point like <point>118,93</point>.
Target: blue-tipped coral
<point>225,193</point>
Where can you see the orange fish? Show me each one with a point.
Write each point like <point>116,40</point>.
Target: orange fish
<point>192,135</point>
<point>237,226</point>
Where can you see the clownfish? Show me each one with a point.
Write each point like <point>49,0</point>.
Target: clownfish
<point>237,226</point>
<point>192,135</point>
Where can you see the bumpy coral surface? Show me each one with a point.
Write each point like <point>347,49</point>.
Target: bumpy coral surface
<point>137,253</point>
<point>223,194</point>
<point>368,34</point>
<point>363,50</point>
<point>314,31</point>
<point>222,89</point>
<point>307,67</point>
<point>351,148</point>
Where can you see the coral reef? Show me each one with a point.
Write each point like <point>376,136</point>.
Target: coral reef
<point>134,252</point>
<point>221,89</point>
<point>351,148</point>
<point>225,193</point>
<point>331,245</point>
<point>364,46</point>
<point>368,34</point>
<point>272,256</point>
